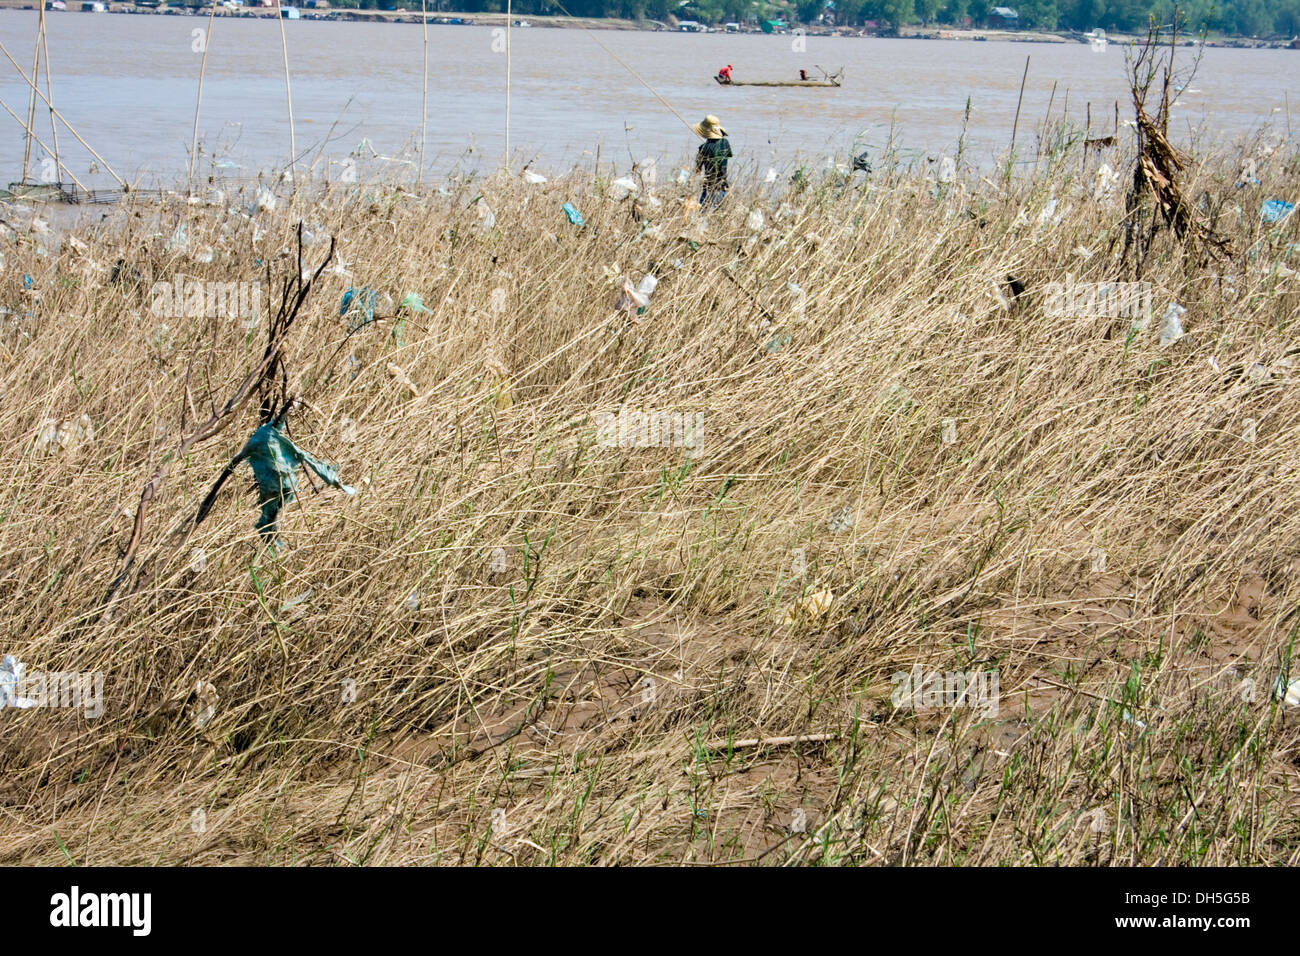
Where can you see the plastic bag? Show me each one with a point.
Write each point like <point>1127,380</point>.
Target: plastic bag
<point>571,211</point>
<point>56,437</point>
<point>622,188</point>
<point>1275,210</point>
<point>1171,325</point>
<point>275,458</point>
<point>11,679</point>
<point>412,302</point>
<point>358,306</point>
<point>1104,182</point>
<point>635,298</point>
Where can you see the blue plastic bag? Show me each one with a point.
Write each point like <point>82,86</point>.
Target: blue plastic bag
<point>1275,210</point>
<point>360,304</point>
<point>274,459</point>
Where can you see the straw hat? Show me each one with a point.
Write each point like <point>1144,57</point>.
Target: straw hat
<point>709,128</point>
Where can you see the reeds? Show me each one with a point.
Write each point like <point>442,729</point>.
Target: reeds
<point>518,645</point>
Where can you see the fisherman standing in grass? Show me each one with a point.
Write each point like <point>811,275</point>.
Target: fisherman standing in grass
<point>712,161</point>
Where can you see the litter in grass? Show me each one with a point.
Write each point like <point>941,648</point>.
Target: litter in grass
<point>358,307</point>
<point>56,437</point>
<point>841,520</point>
<point>11,681</point>
<point>347,431</point>
<point>275,458</point>
<point>204,706</point>
<point>398,373</point>
<point>622,188</point>
<point>1171,325</point>
<point>1275,210</point>
<point>413,303</point>
<point>1288,693</point>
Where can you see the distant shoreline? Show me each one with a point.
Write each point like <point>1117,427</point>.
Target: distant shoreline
<point>612,23</point>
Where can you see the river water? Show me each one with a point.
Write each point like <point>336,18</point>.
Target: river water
<point>128,84</point>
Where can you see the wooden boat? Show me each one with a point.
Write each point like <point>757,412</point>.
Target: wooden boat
<point>828,79</point>
<point>826,82</point>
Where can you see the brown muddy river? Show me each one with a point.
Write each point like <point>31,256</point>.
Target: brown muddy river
<point>128,83</point>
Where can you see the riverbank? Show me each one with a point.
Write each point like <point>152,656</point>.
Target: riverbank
<point>821,529</point>
<point>454,18</point>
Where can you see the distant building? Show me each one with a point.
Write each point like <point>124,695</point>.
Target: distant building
<point>1003,18</point>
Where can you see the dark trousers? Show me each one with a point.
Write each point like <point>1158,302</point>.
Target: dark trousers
<point>711,195</point>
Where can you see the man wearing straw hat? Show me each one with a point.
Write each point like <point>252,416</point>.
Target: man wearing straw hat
<point>712,160</point>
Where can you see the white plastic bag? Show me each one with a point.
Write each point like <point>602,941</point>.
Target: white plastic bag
<point>622,188</point>
<point>1171,325</point>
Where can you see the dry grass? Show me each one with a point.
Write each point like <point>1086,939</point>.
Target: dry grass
<point>574,708</point>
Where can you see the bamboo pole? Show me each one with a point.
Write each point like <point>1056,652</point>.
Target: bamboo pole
<point>508,19</point>
<point>1047,123</point>
<point>49,91</point>
<point>284,50</point>
<point>64,120</point>
<point>424,105</point>
<point>1016,125</point>
<point>1087,134</point>
<point>33,135</point>
<point>31,106</point>
<point>198,102</point>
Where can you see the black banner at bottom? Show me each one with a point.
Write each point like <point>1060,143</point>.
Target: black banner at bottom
<point>341,907</point>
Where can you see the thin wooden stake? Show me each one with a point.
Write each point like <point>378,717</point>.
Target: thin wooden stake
<point>1016,125</point>
<point>424,107</point>
<point>288,92</point>
<point>49,91</point>
<point>1047,120</point>
<point>508,19</point>
<point>31,106</point>
<point>198,102</point>
<point>1087,134</point>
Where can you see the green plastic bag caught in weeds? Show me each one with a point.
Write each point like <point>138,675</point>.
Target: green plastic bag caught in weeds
<point>274,459</point>
<point>412,303</point>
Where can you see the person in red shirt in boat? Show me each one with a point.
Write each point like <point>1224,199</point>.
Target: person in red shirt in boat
<point>724,74</point>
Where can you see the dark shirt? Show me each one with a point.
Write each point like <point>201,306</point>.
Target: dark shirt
<point>712,160</point>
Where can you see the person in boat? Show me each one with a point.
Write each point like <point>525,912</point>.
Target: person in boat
<point>711,160</point>
<point>724,74</point>
<point>803,74</point>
